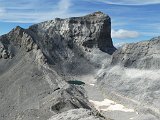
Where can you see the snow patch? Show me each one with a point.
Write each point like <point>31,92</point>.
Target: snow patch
<point>110,106</point>
<point>91,84</point>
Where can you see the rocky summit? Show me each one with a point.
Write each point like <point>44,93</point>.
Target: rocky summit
<point>68,69</point>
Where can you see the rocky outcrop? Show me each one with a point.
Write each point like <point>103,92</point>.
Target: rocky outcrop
<point>21,38</point>
<point>143,55</point>
<point>4,53</point>
<point>81,114</point>
<point>91,31</point>
<point>18,37</point>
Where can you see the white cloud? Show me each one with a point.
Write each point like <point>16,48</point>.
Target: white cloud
<point>2,12</point>
<point>118,45</point>
<point>64,5</point>
<point>130,2</point>
<point>33,11</point>
<point>124,34</point>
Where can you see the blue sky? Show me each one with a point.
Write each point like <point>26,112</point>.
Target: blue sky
<point>132,20</point>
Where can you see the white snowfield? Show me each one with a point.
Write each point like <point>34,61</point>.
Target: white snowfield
<point>109,105</point>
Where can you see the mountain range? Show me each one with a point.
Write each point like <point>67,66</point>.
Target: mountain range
<point>48,71</point>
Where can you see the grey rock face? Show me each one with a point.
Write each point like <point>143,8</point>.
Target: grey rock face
<point>133,76</point>
<point>139,55</point>
<point>3,52</point>
<point>75,114</point>
<point>33,83</point>
<point>91,31</point>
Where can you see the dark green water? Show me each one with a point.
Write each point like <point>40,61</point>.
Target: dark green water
<point>76,82</point>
